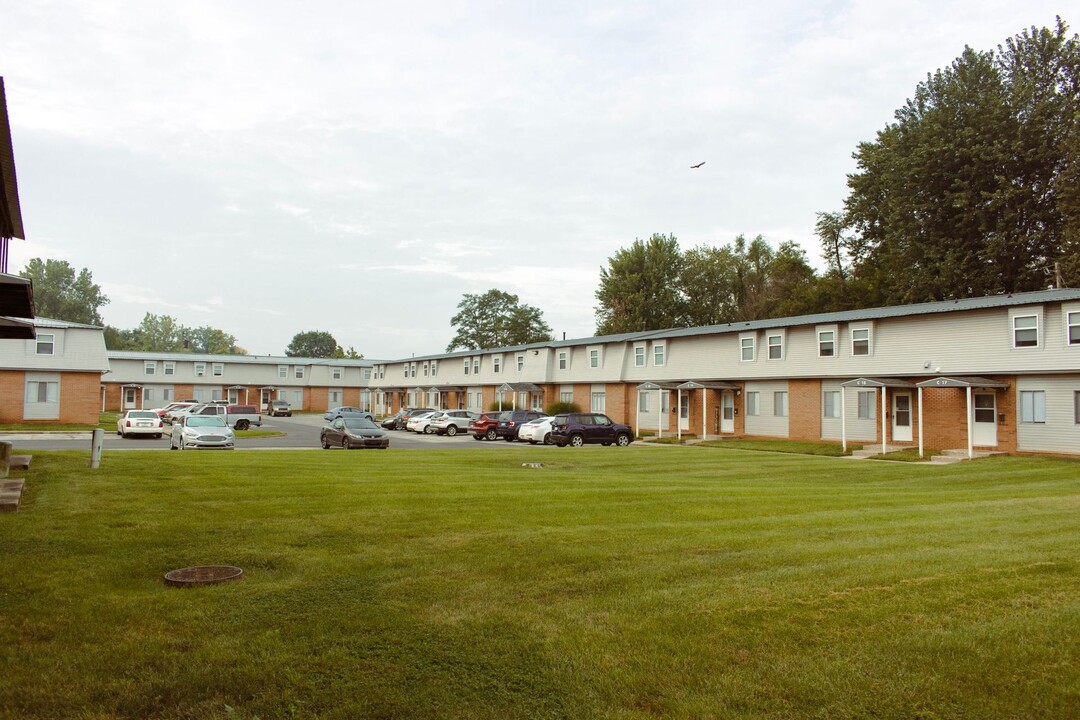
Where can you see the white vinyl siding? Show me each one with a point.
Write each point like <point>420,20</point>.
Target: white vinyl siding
<point>765,422</point>
<point>1059,429</point>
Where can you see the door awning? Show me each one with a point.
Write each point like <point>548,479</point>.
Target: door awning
<point>878,383</point>
<point>650,385</point>
<point>444,388</point>
<point>520,387</point>
<point>706,385</point>
<point>962,382</point>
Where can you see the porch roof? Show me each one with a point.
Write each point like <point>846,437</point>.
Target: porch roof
<point>878,382</point>
<point>16,329</point>
<point>962,382</point>
<point>520,387</point>
<point>663,385</point>
<point>706,385</point>
<point>445,388</point>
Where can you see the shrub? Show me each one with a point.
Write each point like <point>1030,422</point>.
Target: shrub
<point>561,408</point>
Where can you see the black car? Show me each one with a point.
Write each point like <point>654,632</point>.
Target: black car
<point>354,432</point>
<point>578,429</point>
<point>510,422</point>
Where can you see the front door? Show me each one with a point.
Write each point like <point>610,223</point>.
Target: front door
<point>985,434</point>
<point>266,397</point>
<point>901,417</point>
<point>727,412</point>
<point>131,398</point>
<point>684,412</point>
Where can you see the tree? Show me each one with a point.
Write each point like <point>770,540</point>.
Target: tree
<point>496,319</point>
<point>639,290</point>
<point>313,344</point>
<point>349,354</point>
<point>709,277</point>
<point>163,333</point>
<point>211,341</point>
<point>960,196</point>
<point>62,295</point>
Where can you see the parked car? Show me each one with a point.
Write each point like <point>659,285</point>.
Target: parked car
<point>354,432</point>
<point>451,422</point>
<point>390,422</point>
<point>202,432</point>
<point>173,416</point>
<point>483,427</point>
<point>139,422</point>
<point>536,431</point>
<point>345,411</point>
<point>421,422</point>
<point>274,408</point>
<point>579,429</point>
<point>510,422</point>
<point>403,416</point>
<point>163,411</point>
<point>240,417</point>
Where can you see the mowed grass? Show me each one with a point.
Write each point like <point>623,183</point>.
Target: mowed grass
<point>675,582</point>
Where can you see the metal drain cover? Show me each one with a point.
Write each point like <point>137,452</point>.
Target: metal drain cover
<point>203,575</point>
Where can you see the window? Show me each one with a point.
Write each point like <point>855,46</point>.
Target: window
<point>746,348</point>
<point>594,358</point>
<point>658,355</point>
<point>779,400</point>
<point>866,404</point>
<point>425,369</point>
<point>520,362</point>
<point>643,401</point>
<point>566,396</point>
<point>1032,406</point>
<point>752,399</point>
<point>1076,407</point>
<point>166,395</point>
<point>598,402</point>
<point>147,395</point>
<point>776,347</point>
<point>200,369</point>
<point>1025,331</point>
<point>476,366</point>
<point>434,368</point>
<point>826,343</point>
<point>42,392</point>
<point>283,371</point>
<point>149,368</point>
<point>218,369</point>
<point>830,405</point>
<point>860,341</point>
<point>639,356</point>
<point>496,364</point>
<point>468,365</point>
<point>335,373</point>
<point>46,344</point>
<point>382,372</point>
<point>1073,333</point>
<point>170,368</point>
<point>298,372</point>
<point>562,359</point>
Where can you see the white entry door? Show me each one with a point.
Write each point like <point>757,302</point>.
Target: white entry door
<point>727,412</point>
<point>131,398</point>
<point>684,412</point>
<point>985,434</point>
<point>901,417</point>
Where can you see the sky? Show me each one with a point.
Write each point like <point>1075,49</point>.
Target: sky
<point>269,167</point>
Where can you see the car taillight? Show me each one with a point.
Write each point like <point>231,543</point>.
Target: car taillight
<point>127,424</point>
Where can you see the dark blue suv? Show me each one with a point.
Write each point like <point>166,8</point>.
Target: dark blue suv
<point>510,422</point>
<point>578,429</point>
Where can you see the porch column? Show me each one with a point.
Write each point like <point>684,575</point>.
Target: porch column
<point>970,428</point>
<point>843,417</point>
<point>704,392</point>
<point>678,416</point>
<point>659,413</point>
<point>920,423</point>
<point>884,420</point>
<point>637,415</point>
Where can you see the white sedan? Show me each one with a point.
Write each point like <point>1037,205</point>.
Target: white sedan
<point>139,422</point>
<point>422,423</point>
<point>536,431</point>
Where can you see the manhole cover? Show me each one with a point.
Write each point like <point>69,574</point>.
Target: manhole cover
<point>203,575</point>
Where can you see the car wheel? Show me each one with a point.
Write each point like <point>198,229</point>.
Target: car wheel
<point>606,444</point>
<point>577,440</point>
<point>429,430</point>
<point>491,434</point>
<point>547,439</point>
<point>477,437</point>
<point>532,442</point>
<point>119,432</point>
<point>622,440</point>
<point>325,444</point>
<point>242,424</point>
<point>509,438</point>
<point>122,434</point>
<point>451,430</point>
<point>345,444</point>
<point>182,447</point>
<point>158,436</point>
<point>173,447</point>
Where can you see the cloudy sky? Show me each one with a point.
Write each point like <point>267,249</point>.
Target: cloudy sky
<point>271,167</point>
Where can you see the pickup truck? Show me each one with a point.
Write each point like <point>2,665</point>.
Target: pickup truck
<point>240,417</point>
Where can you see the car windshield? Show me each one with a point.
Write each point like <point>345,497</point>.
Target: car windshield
<point>142,414</point>
<point>205,421</point>
<point>360,424</point>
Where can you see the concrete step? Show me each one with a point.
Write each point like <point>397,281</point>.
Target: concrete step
<point>11,490</point>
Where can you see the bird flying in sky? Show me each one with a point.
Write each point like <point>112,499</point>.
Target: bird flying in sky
<point>695,167</point>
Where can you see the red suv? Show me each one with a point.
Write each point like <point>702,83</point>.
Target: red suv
<point>483,427</point>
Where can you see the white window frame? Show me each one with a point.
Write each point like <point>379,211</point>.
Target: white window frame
<point>496,363</point>
<point>831,342</point>
<point>857,342</point>
<point>149,367</point>
<point>52,392</point>
<point>564,360</point>
<point>643,401</point>
<point>830,404</point>
<point>40,344</point>
<point>598,402</point>
<point>1072,323</point>
<point>476,366</point>
<point>778,346</point>
<point>335,373</point>
<point>595,361</point>
<point>434,368</point>
<point>780,402</point>
<point>753,403</point>
<point>867,405</point>
<point>520,360</point>
<point>200,369</point>
<point>283,372</point>
<point>298,372</point>
<point>566,396</point>
<point>1032,409</point>
<point>1016,330</point>
<point>217,369</point>
<point>747,342</point>
<point>425,369</point>
<point>639,356</point>
<point>169,368</point>
<point>659,354</point>
<point>468,365</point>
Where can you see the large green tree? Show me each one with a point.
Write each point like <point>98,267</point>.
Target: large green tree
<point>62,294</point>
<point>313,344</point>
<point>496,319</point>
<point>961,195</point>
<point>163,333</point>
<point>639,289</point>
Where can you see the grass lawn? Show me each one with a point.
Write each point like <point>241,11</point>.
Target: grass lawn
<point>683,582</point>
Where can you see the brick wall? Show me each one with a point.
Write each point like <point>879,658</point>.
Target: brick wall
<point>80,397</point>
<point>318,399</point>
<point>804,409</point>
<point>12,392</point>
<point>616,403</point>
<point>945,416</point>
<point>583,396</point>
